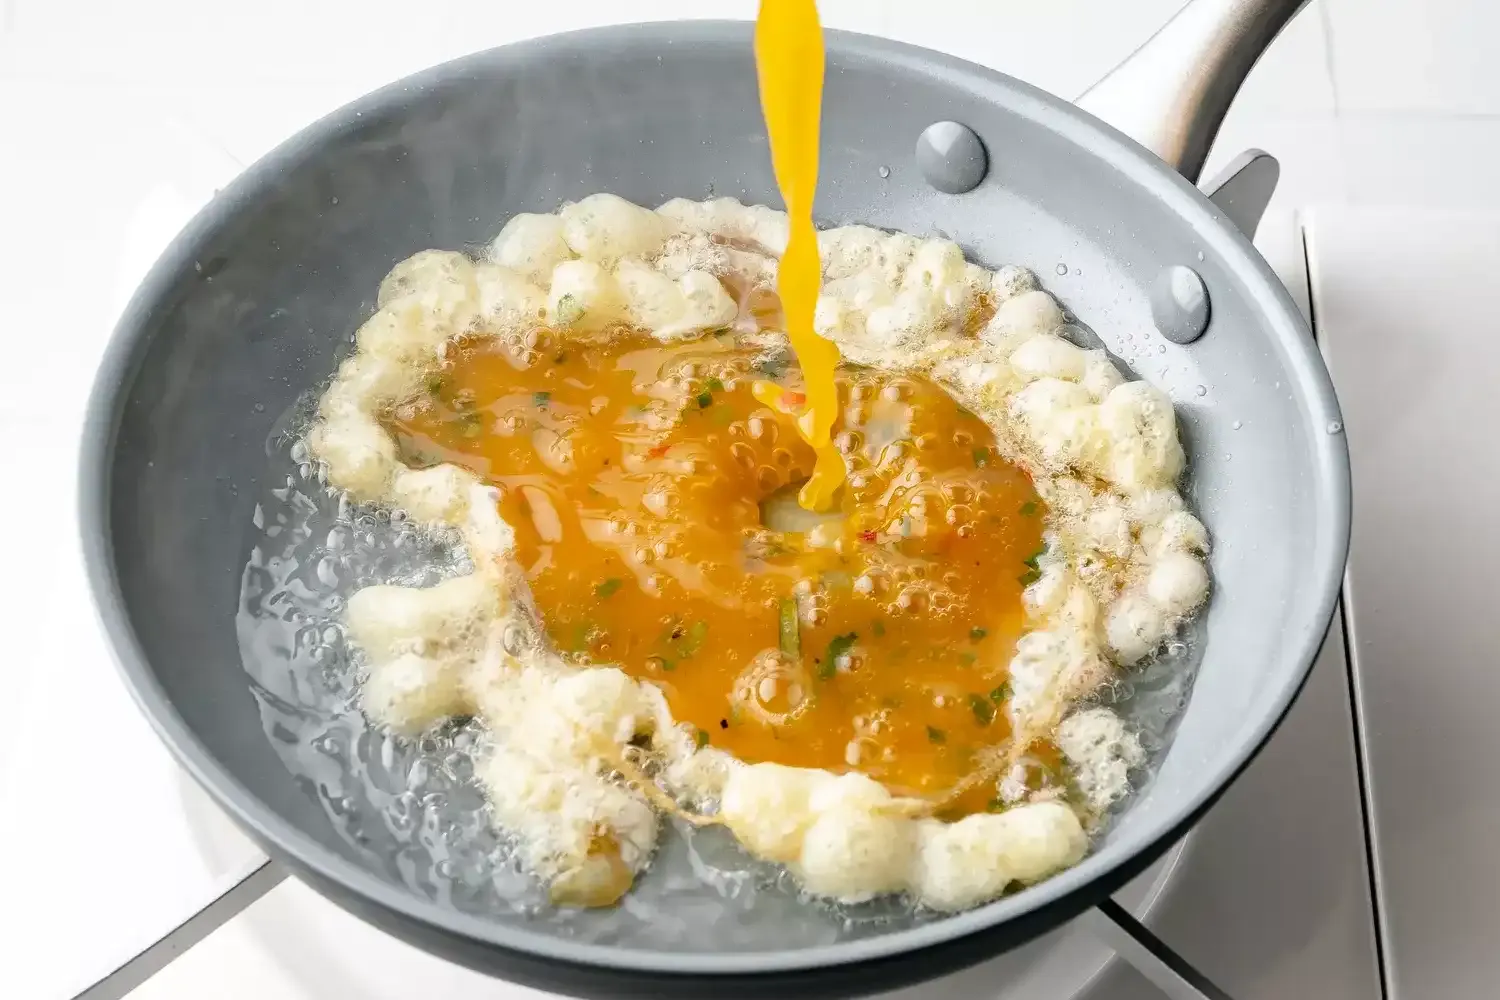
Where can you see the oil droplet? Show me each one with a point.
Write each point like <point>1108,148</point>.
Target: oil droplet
<point>1334,427</point>
<point>1062,269</point>
<point>260,407</point>
<point>885,171</point>
<point>1202,390</point>
<point>1161,348</point>
<point>1237,425</point>
<point>1200,254</point>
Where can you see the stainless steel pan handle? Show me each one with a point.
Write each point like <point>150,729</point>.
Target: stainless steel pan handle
<point>1172,93</point>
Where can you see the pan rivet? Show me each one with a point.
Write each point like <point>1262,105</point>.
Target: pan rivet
<point>951,157</point>
<point>1179,304</point>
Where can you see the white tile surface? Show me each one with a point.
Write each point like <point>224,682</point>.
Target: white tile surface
<point>1434,57</point>
<point>1421,161</point>
<point>1403,299</point>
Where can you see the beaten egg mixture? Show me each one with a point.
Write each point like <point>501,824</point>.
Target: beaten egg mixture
<point>885,699</point>
<point>633,475</point>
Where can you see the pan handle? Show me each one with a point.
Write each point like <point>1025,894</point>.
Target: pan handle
<point>1172,93</point>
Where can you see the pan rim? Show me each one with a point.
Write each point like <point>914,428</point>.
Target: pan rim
<point>1045,905</point>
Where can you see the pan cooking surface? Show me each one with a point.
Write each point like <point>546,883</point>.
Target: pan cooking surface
<point>413,807</point>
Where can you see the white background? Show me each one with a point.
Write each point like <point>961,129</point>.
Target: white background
<point>117,120</point>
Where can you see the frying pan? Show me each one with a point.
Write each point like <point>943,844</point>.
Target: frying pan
<point>253,304</point>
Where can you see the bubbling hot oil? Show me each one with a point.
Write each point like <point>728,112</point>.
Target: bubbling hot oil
<point>413,808</point>
<point>635,474</point>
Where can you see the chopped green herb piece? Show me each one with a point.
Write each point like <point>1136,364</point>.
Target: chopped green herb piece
<point>569,310</point>
<point>771,367</point>
<point>976,634</point>
<point>1032,559</point>
<point>769,550</point>
<point>836,579</point>
<point>837,646</point>
<point>541,398</point>
<point>416,455</point>
<point>790,637</point>
<point>1029,577</point>
<point>981,457</point>
<point>1029,509</point>
<point>471,424</point>
<point>607,587</point>
<point>983,709</point>
<point>701,738</point>
<point>668,665</point>
<point>967,659</point>
<point>994,806</point>
<point>1000,693</point>
<point>715,385</point>
<point>705,400</point>
<point>687,641</point>
<point>878,627</point>
<point>936,735</point>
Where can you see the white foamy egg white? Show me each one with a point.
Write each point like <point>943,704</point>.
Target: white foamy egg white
<point>1123,568</point>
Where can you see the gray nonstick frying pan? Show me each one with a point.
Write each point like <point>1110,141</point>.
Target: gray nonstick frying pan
<point>253,304</point>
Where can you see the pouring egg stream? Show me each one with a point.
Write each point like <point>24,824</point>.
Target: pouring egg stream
<point>789,64</point>
<point>847,608</point>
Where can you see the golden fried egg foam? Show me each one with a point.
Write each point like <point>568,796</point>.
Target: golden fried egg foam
<point>582,760</point>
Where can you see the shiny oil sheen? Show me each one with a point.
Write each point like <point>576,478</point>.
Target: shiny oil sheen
<point>635,474</point>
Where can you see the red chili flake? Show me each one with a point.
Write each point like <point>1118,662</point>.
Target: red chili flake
<point>867,536</point>
<point>792,400</point>
<point>659,451</point>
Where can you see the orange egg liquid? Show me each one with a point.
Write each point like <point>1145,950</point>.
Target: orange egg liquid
<point>789,63</point>
<point>634,474</point>
<point>640,479</point>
